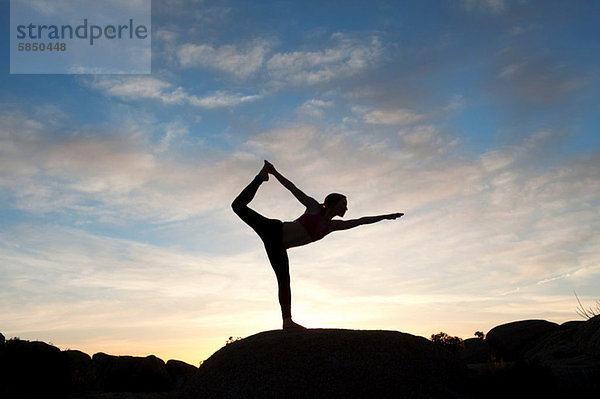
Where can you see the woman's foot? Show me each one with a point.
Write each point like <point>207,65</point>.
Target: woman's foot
<point>270,167</point>
<point>264,172</point>
<point>289,324</point>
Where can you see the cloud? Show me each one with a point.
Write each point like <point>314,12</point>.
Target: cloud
<point>534,78</point>
<point>314,108</point>
<point>239,62</point>
<point>399,117</point>
<point>140,88</point>
<point>126,174</point>
<point>173,131</point>
<point>221,99</point>
<point>348,58</point>
<point>487,6</point>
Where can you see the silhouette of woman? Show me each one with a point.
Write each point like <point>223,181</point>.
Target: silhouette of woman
<point>277,236</point>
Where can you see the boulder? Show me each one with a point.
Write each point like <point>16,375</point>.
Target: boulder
<point>571,325</point>
<point>33,370</point>
<point>511,341</point>
<point>475,350</point>
<point>130,374</point>
<point>325,363</point>
<point>180,372</point>
<point>588,337</point>
<point>556,348</point>
<point>81,375</point>
<point>2,346</point>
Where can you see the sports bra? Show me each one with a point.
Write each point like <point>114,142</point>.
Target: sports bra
<point>310,221</point>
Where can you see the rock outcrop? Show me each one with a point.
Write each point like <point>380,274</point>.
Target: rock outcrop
<point>329,364</point>
<point>130,374</point>
<point>33,370</point>
<point>511,341</point>
<point>475,350</point>
<point>535,358</point>
<point>180,372</point>
<point>588,337</point>
<point>531,358</point>
<point>39,370</point>
<point>81,375</point>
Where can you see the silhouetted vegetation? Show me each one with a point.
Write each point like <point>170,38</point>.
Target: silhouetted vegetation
<point>479,334</point>
<point>589,312</point>
<point>231,340</point>
<point>453,344</point>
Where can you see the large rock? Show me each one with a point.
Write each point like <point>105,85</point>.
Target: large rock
<point>180,372</point>
<point>475,350</point>
<point>33,370</point>
<point>511,341</point>
<point>588,337</point>
<point>81,374</point>
<point>130,374</point>
<point>556,348</point>
<point>329,364</point>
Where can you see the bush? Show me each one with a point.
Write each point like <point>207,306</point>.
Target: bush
<point>231,340</point>
<point>588,313</point>
<point>444,340</point>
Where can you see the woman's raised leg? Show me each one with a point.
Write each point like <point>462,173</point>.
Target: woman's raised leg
<point>240,203</point>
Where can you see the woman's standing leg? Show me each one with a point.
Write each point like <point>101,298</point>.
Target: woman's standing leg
<point>281,265</point>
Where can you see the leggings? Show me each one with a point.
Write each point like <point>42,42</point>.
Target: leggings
<point>270,232</point>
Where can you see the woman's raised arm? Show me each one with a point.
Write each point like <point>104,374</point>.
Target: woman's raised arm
<point>348,224</point>
<point>304,199</point>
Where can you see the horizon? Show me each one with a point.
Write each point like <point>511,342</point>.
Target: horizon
<point>477,119</point>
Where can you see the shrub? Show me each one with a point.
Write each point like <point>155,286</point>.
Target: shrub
<point>453,344</point>
<point>589,312</point>
<point>231,340</point>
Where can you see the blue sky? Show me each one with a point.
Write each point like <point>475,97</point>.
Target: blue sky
<point>477,118</point>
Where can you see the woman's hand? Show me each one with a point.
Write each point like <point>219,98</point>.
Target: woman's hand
<point>393,216</point>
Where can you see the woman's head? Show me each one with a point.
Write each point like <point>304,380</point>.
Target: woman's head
<point>336,202</point>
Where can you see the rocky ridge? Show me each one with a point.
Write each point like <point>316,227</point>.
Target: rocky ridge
<point>523,358</point>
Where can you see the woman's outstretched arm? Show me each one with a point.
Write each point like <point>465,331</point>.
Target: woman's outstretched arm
<point>304,199</point>
<point>348,224</point>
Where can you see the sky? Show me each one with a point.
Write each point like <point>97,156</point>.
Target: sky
<point>476,118</point>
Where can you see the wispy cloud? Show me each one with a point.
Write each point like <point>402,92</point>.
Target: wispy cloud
<point>236,61</point>
<point>315,108</point>
<point>141,88</point>
<point>488,6</point>
<point>534,78</point>
<point>397,117</point>
<point>222,99</point>
<point>346,58</point>
<point>125,173</point>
